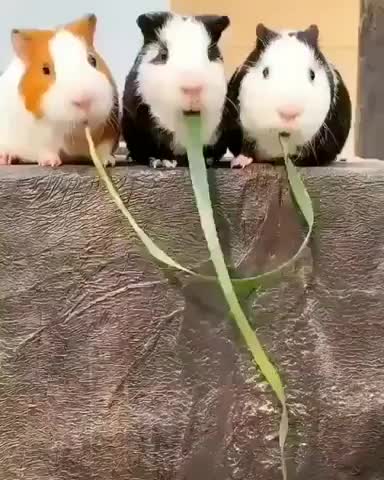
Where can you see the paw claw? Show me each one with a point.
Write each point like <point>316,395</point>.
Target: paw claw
<point>157,163</point>
<point>50,160</point>
<point>169,163</point>
<point>241,161</point>
<point>109,160</point>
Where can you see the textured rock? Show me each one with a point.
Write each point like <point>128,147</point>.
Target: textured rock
<point>111,369</point>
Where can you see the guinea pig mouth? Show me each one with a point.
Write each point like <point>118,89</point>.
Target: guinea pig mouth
<point>284,134</point>
<point>190,113</point>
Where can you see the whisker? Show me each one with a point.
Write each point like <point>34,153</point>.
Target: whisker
<point>112,122</point>
<point>262,42</point>
<point>232,103</point>
<point>72,129</point>
<point>237,72</point>
<point>328,130</point>
<point>307,149</point>
<point>249,63</point>
<point>313,150</point>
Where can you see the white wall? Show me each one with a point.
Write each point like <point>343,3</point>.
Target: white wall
<point>118,38</point>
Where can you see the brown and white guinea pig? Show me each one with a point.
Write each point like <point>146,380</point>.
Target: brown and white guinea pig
<point>55,85</point>
<point>178,70</point>
<point>287,86</point>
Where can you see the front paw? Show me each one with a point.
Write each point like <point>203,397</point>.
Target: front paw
<point>49,160</point>
<point>167,164</point>
<point>108,160</point>
<point>7,159</point>
<point>241,161</point>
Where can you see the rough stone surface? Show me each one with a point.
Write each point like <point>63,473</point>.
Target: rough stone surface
<point>370,95</point>
<point>111,369</point>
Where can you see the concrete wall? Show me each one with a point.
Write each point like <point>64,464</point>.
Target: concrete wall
<point>110,369</point>
<point>338,22</point>
<point>118,37</point>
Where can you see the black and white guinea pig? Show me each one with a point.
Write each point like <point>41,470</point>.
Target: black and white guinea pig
<point>287,86</point>
<point>178,70</point>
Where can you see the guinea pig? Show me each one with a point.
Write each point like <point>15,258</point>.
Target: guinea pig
<point>287,86</point>
<point>179,70</point>
<point>55,85</point>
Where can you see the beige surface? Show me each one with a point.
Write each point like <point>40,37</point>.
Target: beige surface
<point>337,20</point>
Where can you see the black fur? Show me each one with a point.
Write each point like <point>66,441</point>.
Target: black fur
<point>150,23</point>
<point>329,140</point>
<point>146,139</point>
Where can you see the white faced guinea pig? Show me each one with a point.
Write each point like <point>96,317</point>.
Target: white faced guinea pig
<point>286,86</point>
<point>55,85</point>
<point>178,70</point>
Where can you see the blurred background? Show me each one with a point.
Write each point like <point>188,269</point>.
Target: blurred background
<point>119,39</point>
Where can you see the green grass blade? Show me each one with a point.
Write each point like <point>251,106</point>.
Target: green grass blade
<point>298,190</point>
<point>305,205</point>
<point>200,185</point>
<point>248,284</point>
<point>201,189</point>
<point>152,248</point>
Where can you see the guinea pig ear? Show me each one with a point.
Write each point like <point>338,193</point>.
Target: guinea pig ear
<point>20,42</point>
<point>215,24</point>
<point>312,34</point>
<point>26,42</point>
<point>264,35</point>
<point>150,23</point>
<point>85,27</point>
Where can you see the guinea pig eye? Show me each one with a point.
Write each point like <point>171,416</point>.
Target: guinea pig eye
<point>266,72</point>
<point>163,55</point>
<point>46,70</point>
<point>92,60</point>
<point>312,75</point>
<point>214,53</point>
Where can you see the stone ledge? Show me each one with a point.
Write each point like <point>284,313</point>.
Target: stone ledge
<point>112,369</point>
<point>85,167</point>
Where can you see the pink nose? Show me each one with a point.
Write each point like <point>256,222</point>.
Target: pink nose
<point>83,103</point>
<point>193,97</point>
<point>192,91</point>
<point>288,114</point>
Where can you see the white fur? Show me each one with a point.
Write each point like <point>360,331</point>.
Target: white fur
<point>289,61</point>
<point>25,136</point>
<point>188,65</point>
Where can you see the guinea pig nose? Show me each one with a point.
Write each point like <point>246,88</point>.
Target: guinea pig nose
<point>194,91</point>
<point>289,113</point>
<point>83,103</point>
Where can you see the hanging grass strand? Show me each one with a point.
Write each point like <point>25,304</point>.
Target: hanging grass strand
<point>201,190</point>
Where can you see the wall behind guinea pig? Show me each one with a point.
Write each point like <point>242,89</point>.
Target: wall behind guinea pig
<point>118,38</point>
<point>338,21</point>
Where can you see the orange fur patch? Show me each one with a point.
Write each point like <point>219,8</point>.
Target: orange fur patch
<point>84,28</point>
<point>32,46</point>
